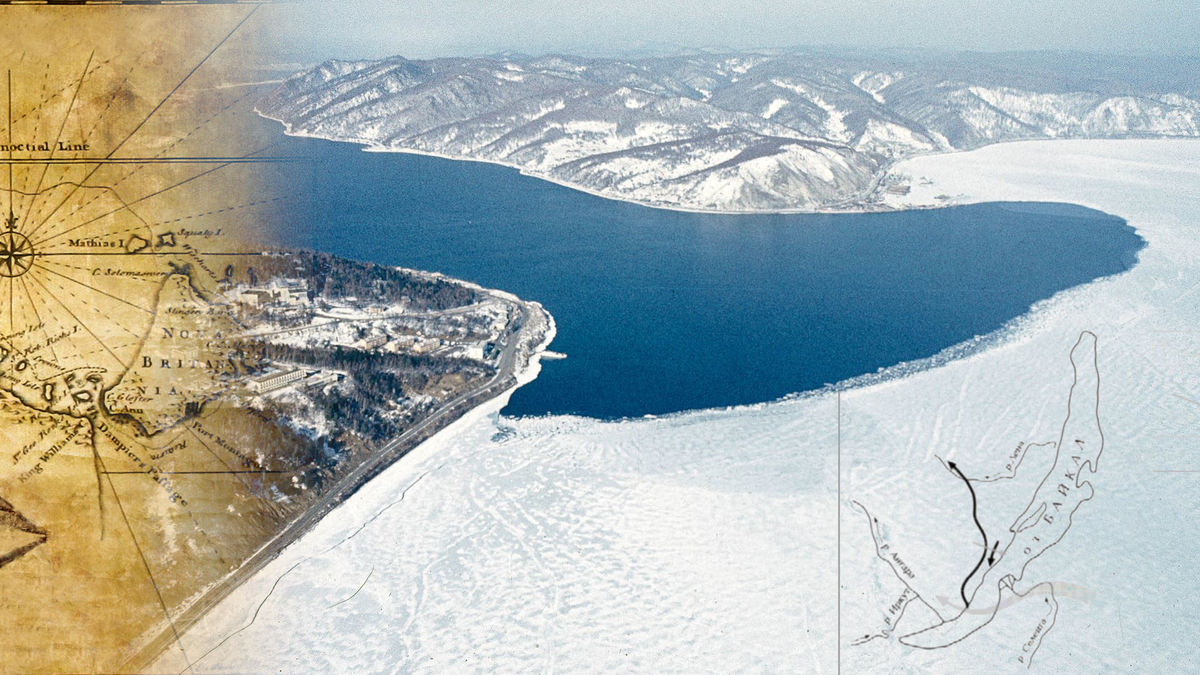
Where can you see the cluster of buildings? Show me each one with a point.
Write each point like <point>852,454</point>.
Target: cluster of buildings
<point>372,342</point>
<point>290,376</point>
<point>289,292</point>
<point>347,324</point>
<point>417,344</point>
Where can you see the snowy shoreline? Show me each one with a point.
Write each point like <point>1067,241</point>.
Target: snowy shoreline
<point>672,543</point>
<point>871,200</point>
<point>367,146</point>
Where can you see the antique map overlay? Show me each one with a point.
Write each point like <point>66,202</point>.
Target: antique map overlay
<point>136,185</point>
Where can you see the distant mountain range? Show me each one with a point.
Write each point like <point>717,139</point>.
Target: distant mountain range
<point>733,132</point>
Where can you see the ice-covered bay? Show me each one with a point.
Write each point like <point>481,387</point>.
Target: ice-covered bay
<point>707,542</point>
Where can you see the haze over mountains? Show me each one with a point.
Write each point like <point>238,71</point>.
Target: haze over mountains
<point>732,132</point>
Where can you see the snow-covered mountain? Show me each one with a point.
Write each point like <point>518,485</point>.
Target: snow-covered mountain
<point>744,132</point>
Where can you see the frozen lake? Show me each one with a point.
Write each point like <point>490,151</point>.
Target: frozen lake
<point>707,542</point>
<point>662,311</point>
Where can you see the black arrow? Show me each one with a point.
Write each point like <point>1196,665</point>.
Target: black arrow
<point>963,590</point>
<point>992,557</point>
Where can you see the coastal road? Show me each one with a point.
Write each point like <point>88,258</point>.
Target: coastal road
<point>389,453</point>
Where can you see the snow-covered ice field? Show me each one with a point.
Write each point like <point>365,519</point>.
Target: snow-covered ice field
<point>707,542</point>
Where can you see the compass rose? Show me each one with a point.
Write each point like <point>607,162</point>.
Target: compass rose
<point>16,252</point>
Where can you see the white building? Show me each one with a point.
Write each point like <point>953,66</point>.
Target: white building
<point>322,378</point>
<point>273,381</point>
<point>287,292</point>
<point>254,297</point>
<point>371,342</point>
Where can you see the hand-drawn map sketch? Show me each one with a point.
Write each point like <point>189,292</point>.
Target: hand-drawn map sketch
<point>132,190</point>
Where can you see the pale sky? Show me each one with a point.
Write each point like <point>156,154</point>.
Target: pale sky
<point>425,28</point>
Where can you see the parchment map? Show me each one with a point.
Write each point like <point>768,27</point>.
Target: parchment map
<point>132,195</point>
<point>1022,505</point>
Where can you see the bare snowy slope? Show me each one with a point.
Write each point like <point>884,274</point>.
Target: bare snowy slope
<point>726,133</point>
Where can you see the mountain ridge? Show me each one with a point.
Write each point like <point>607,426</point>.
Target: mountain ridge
<point>728,133</point>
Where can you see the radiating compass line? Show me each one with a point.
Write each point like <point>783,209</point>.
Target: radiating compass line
<point>16,253</point>
<point>82,324</point>
<point>124,207</point>
<point>38,316</point>
<point>79,352</point>
<point>144,120</point>
<point>58,137</point>
<point>115,194</point>
<point>167,149</point>
<point>138,336</point>
<point>46,98</point>
<point>248,158</point>
<point>11,218</point>
<point>37,119</point>
<point>103,116</point>
<point>186,78</point>
<point>94,290</point>
<point>25,193</point>
<point>142,555</point>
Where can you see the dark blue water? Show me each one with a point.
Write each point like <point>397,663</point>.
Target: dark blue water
<point>661,311</point>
